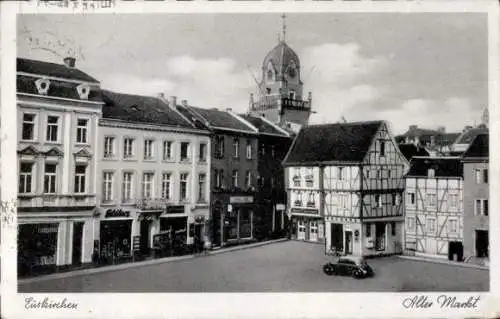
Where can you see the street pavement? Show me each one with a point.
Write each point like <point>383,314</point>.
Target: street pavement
<point>289,266</point>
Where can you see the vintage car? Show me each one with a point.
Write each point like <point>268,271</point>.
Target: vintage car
<point>354,266</point>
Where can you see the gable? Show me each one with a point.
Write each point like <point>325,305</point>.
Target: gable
<point>83,153</point>
<point>29,150</point>
<point>54,152</point>
<point>388,153</point>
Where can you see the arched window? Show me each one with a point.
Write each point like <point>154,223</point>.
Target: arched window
<point>270,75</point>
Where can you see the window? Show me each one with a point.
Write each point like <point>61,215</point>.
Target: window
<point>485,175</point>
<point>298,199</point>
<point>25,178</point>
<point>109,146</point>
<point>248,179</point>
<point>52,128</point>
<point>80,174</point>
<point>477,207</point>
<point>481,176</point>
<point>201,187</point>
<point>485,207</point>
<point>382,147</point>
<point>28,133</point>
<point>166,183</point>
<point>236,147</point>
<point>389,173</point>
<point>345,199</point>
<point>291,95</point>
<point>431,225</point>
<point>128,147</point>
<point>249,149</point>
<point>453,200</point>
<point>378,174</point>
<point>127,187</point>
<point>167,151</point>
<point>367,173</point>
<point>431,200</point>
<point>184,187</point>
<point>411,198</point>
<point>184,151</point>
<point>296,177</point>
<point>218,178</point>
<point>410,223</point>
<point>368,230</point>
<point>310,200</point>
<point>393,229</point>
<point>270,75</point>
<point>107,187</point>
<point>219,146</point>
<point>202,152</point>
<point>81,130</point>
<point>262,148</point>
<point>378,201</point>
<point>148,149</point>
<point>49,182</point>
<point>273,151</point>
<point>431,173</point>
<point>394,199</point>
<point>452,226</point>
<point>147,185</point>
<point>340,173</point>
<point>309,177</point>
<point>235,178</point>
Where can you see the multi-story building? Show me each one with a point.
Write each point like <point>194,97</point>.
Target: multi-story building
<point>345,185</point>
<point>434,208</point>
<point>274,143</point>
<point>436,142</point>
<point>234,171</point>
<point>476,195</point>
<point>58,109</point>
<point>154,173</point>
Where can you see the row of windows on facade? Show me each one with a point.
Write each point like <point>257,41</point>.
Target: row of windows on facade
<point>431,199</point>
<point>452,224</point>
<point>339,200</point>
<point>52,130</point>
<point>235,179</point>
<point>149,147</point>
<point>50,176</point>
<point>220,149</point>
<point>148,186</point>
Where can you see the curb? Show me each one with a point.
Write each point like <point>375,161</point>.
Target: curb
<point>445,262</point>
<point>90,271</point>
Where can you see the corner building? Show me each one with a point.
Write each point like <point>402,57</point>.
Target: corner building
<point>345,186</point>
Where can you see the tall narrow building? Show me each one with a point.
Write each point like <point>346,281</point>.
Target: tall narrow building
<point>280,91</point>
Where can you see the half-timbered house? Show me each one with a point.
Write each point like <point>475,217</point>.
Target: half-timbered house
<point>355,176</point>
<point>434,208</point>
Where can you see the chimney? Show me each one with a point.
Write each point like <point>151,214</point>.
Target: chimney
<point>172,101</point>
<point>184,102</point>
<point>69,62</point>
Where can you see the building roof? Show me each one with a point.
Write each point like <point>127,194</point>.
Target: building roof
<point>263,126</point>
<point>443,166</point>
<point>281,56</point>
<point>469,135</point>
<point>479,147</point>
<point>410,150</point>
<point>340,142</point>
<point>219,119</point>
<point>52,69</point>
<point>140,109</point>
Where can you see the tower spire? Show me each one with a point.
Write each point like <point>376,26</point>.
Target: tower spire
<point>283,19</point>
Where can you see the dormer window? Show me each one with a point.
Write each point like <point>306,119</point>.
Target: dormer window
<point>431,173</point>
<point>83,91</point>
<point>42,86</point>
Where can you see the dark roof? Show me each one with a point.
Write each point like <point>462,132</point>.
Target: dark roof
<point>221,119</point>
<point>281,56</point>
<point>479,147</point>
<point>52,69</point>
<point>140,109</point>
<point>468,136</point>
<point>410,150</point>
<point>263,126</point>
<point>341,142</point>
<point>443,166</point>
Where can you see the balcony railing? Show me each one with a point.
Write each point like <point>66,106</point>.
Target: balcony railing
<point>61,200</point>
<point>152,203</point>
<point>271,101</point>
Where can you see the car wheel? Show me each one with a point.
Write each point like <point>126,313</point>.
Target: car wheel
<point>356,274</point>
<point>328,269</point>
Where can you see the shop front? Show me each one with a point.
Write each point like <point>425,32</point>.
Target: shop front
<point>306,225</point>
<point>343,235</point>
<point>115,236</point>
<point>37,247</point>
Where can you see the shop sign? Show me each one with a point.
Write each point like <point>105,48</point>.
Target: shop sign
<point>175,209</point>
<point>304,211</point>
<point>48,229</point>
<point>280,206</point>
<point>117,213</point>
<point>241,199</point>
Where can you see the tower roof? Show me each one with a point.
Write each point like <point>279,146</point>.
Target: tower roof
<point>281,56</point>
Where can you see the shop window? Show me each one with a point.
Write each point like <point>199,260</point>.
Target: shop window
<point>80,179</point>
<point>245,216</point>
<point>168,153</point>
<point>109,146</point>
<point>25,178</point>
<point>29,124</point>
<point>52,128</point>
<point>37,245</point>
<point>49,182</point>
<point>81,130</point>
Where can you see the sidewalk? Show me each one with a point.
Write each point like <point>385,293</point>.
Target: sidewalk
<point>90,271</point>
<point>444,261</point>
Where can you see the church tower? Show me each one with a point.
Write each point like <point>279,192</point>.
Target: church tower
<point>280,97</point>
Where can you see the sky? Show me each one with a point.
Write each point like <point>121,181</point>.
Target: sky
<point>425,69</point>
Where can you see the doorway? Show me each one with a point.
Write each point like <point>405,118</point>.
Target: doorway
<point>313,230</point>
<point>455,251</point>
<point>301,230</point>
<point>77,243</point>
<point>482,243</point>
<point>337,237</point>
<point>144,242</point>
<point>348,242</point>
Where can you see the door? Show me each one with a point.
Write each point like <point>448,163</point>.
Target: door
<point>313,231</point>
<point>216,224</point>
<point>455,251</point>
<point>77,243</point>
<point>337,237</point>
<point>482,243</point>
<point>348,242</point>
<point>144,246</point>
<point>301,230</point>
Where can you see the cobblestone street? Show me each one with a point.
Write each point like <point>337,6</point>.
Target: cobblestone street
<point>280,267</point>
